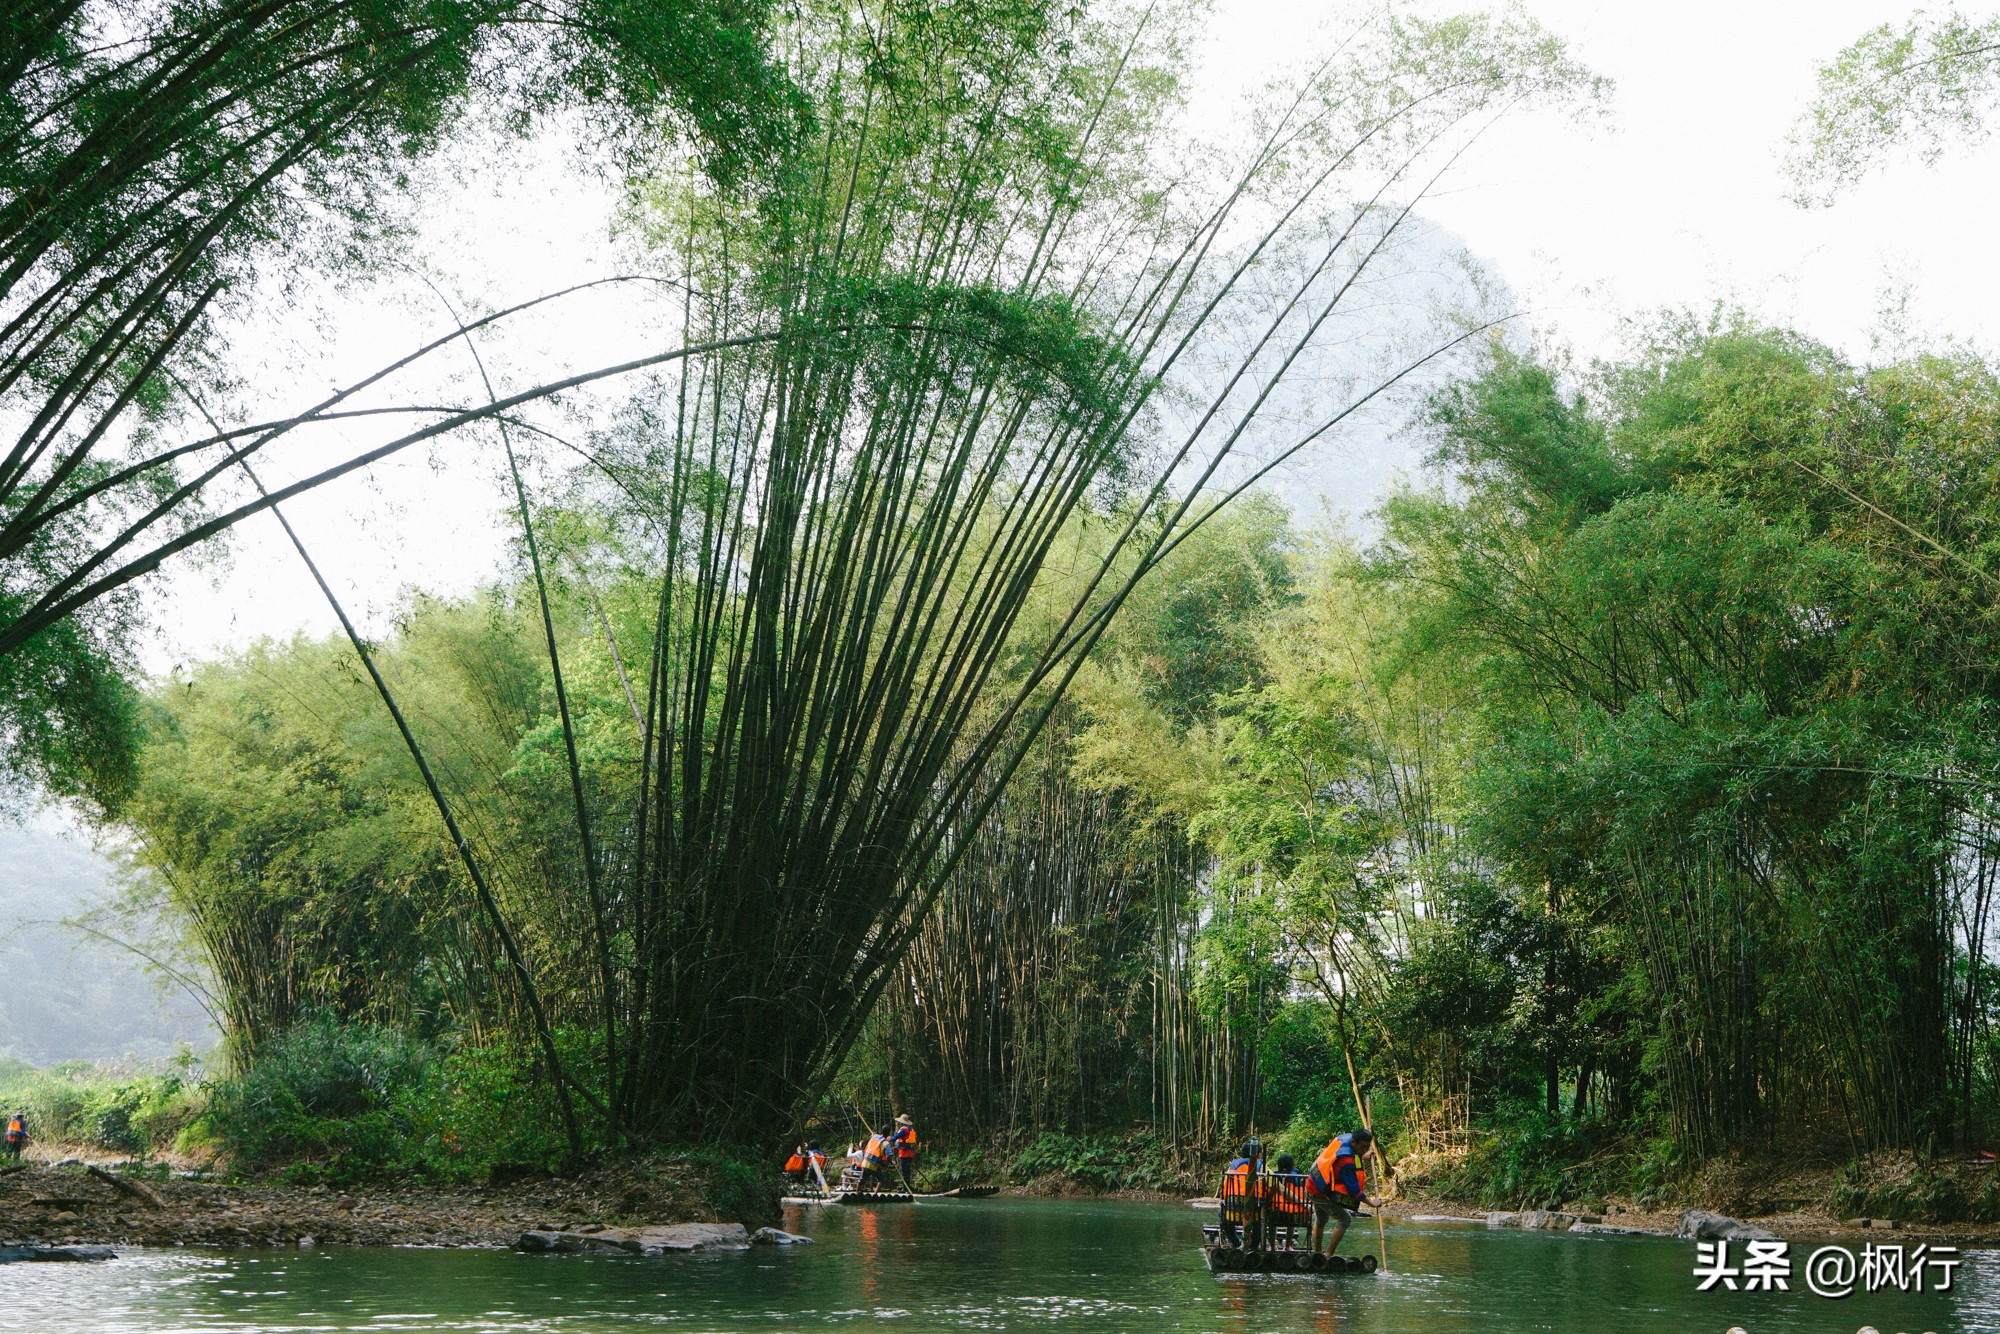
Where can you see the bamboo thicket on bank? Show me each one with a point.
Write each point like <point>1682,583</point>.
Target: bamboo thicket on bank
<point>976,316</point>
<point>960,324</point>
<point>1050,986</point>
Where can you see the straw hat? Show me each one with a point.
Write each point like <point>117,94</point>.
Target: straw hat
<point>902,1120</point>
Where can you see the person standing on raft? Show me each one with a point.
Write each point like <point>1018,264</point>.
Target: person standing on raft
<point>1243,1197</point>
<point>904,1138</point>
<point>1337,1186</point>
<point>875,1156</point>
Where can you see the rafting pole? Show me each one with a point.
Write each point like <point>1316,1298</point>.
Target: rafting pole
<point>1374,1145</point>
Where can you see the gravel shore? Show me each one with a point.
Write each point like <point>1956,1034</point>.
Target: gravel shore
<point>59,1205</point>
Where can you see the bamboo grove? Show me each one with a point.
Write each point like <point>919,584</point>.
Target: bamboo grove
<point>904,691</point>
<point>1608,787</point>
<point>949,386</point>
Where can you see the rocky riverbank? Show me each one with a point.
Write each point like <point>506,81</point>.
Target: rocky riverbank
<point>45,1205</point>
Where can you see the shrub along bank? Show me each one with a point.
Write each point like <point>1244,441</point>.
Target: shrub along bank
<point>107,1107</point>
<point>339,1103</point>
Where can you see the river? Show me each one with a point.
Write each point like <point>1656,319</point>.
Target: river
<point>1003,1264</point>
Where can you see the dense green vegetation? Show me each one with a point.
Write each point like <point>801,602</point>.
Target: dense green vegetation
<point>1620,804</point>
<point>827,581</point>
<point>1623,803</point>
<point>898,709</point>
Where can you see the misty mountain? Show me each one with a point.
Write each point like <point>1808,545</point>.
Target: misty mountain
<point>64,995</point>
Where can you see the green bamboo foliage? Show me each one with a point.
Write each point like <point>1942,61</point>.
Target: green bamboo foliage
<point>935,403</point>
<point>1047,988</point>
<point>970,318</point>
<point>156,157</point>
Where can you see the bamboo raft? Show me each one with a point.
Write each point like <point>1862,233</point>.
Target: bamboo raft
<point>891,1196</point>
<point>1288,1258</point>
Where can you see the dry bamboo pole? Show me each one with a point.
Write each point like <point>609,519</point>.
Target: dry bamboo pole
<point>1374,1145</point>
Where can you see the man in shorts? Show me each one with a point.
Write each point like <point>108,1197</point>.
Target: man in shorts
<point>1337,1186</point>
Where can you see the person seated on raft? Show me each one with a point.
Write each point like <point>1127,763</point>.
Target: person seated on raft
<point>1287,1206</point>
<point>850,1173</point>
<point>1243,1197</point>
<point>807,1165</point>
<point>1337,1184</point>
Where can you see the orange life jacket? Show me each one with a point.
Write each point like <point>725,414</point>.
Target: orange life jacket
<point>1286,1193</point>
<point>1326,1169</point>
<point>876,1154</point>
<point>1242,1191</point>
<point>905,1140</point>
<point>795,1164</point>
<point>16,1128</point>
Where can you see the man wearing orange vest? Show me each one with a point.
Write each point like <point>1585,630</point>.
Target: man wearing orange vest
<point>904,1137</point>
<point>874,1158</point>
<point>807,1163</point>
<point>17,1135</point>
<point>1243,1197</point>
<point>1337,1186</point>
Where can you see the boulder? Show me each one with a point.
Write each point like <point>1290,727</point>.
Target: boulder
<point>1701,1225</point>
<point>1503,1220</point>
<point>774,1236</point>
<point>1447,1218</point>
<point>670,1239</point>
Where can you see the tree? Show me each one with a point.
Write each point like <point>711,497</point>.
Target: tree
<point>1732,693</point>
<point>1931,82</point>
<point>156,157</point>
<point>910,361</point>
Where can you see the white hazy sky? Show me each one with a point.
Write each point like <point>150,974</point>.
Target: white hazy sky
<point>1673,199</point>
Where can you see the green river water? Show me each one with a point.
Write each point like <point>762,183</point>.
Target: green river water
<point>1004,1264</point>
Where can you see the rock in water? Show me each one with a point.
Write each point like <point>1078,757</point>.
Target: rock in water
<point>1611,1230</point>
<point>672,1239</point>
<point>1503,1220</point>
<point>8,1253</point>
<point>773,1236</point>
<point>1701,1225</point>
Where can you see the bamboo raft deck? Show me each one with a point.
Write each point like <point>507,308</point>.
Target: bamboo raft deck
<point>1287,1258</point>
<point>891,1196</point>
